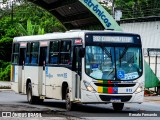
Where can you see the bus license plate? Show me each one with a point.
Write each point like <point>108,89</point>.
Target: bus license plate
<point>115,100</point>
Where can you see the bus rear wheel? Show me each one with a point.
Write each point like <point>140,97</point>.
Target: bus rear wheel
<point>31,99</point>
<point>118,106</point>
<point>68,101</point>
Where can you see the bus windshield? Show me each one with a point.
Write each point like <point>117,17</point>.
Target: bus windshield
<point>113,63</point>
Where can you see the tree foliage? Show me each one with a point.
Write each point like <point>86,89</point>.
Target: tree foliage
<point>28,19</point>
<point>139,8</point>
<point>29,29</point>
<point>4,70</point>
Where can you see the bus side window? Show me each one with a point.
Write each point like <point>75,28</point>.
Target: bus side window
<point>34,52</point>
<point>53,60</point>
<point>54,52</point>
<point>15,55</point>
<point>27,59</point>
<point>65,52</point>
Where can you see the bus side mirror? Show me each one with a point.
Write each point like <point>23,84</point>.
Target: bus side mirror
<point>81,52</point>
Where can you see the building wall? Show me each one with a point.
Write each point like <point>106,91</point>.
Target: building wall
<point>149,31</point>
<point>150,36</point>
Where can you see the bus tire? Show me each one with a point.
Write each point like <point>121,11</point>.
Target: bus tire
<point>68,102</point>
<point>31,99</point>
<point>118,106</point>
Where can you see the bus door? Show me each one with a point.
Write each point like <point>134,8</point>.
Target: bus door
<point>21,81</point>
<point>42,63</point>
<point>78,75</point>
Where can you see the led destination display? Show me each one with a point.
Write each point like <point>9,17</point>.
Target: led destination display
<point>113,39</point>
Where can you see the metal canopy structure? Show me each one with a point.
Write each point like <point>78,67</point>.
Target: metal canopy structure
<point>71,13</point>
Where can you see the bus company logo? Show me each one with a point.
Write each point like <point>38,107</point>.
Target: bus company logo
<point>99,12</point>
<point>46,70</point>
<point>20,115</point>
<point>49,76</point>
<point>6,114</point>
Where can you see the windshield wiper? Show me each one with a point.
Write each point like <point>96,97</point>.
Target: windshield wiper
<point>130,60</point>
<point>123,53</point>
<point>107,53</point>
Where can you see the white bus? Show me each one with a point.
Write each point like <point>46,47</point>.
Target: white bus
<point>79,67</point>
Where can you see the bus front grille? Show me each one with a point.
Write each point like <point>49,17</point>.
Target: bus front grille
<point>108,98</point>
<point>115,85</point>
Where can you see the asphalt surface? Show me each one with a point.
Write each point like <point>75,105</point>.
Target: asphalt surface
<point>55,109</point>
<point>12,102</point>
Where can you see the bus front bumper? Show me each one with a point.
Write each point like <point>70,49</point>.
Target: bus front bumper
<point>89,97</point>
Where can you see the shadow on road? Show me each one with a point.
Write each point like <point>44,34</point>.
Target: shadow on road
<point>88,108</point>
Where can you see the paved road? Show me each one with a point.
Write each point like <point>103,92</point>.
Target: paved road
<point>9,101</point>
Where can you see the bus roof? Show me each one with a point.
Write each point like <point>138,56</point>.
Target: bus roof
<point>63,35</point>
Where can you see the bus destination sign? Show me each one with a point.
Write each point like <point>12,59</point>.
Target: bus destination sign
<point>120,39</point>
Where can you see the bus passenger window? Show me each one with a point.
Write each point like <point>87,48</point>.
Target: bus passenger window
<point>34,53</point>
<point>54,52</point>
<point>65,52</point>
<point>34,59</point>
<point>27,60</point>
<point>15,55</point>
<point>53,60</point>
<point>15,59</point>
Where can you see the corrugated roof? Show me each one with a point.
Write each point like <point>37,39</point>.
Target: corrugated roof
<point>71,13</point>
<point>149,31</point>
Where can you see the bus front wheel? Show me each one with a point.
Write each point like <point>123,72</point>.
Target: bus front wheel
<point>118,106</point>
<point>68,101</point>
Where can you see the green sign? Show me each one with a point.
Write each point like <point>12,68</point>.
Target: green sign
<point>151,79</point>
<point>104,17</point>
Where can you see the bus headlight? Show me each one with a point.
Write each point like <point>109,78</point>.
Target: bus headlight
<point>88,86</point>
<point>140,88</point>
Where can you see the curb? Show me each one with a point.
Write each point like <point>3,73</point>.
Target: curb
<point>5,89</point>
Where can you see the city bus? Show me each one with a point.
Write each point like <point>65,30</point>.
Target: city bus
<point>86,67</point>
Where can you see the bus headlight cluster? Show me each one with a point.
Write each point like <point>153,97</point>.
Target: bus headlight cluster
<point>88,86</point>
<point>140,88</point>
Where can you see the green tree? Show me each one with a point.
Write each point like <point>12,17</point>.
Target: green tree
<point>4,70</point>
<point>38,16</point>
<point>138,8</point>
<point>23,14</point>
<point>30,29</point>
<point>42,22</point>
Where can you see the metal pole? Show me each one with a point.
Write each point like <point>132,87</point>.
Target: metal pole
<point>12,13</point>
<point>1,3</point>
<point>156,72</point>
<point>113,8</point>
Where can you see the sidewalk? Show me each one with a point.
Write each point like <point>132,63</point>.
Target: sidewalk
<point>5,84</point>
<point>155,99</point>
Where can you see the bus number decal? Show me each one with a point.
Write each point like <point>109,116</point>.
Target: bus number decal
<point>128,90</point>
<point>64,75</point>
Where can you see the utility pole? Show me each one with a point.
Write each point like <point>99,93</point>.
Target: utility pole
<point>113,12</point>
<point>8,4</point>
<point>12,11</point>
<point>1,3</point>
